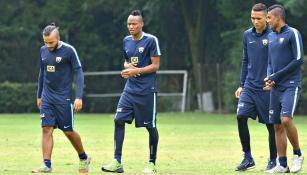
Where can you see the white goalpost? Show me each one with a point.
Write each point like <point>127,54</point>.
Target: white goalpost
<point>182,93</point>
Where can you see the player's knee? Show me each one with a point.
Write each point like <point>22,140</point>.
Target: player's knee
<point>119,123</point>
<point>278,128</point>
<point>47,130</point>
<point>270,127</point>
<point>242,119</point>
<point>153,132</point>
<point>69,133</point>
<point>286,121</point>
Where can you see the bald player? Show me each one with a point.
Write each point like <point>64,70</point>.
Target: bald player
<point>59,61</point>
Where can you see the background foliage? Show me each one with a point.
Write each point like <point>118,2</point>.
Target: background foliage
<point>194,35</point>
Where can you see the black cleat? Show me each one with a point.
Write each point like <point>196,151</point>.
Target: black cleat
<point>246,164</point>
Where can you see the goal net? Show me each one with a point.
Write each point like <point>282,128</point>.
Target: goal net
<point>103,89</point>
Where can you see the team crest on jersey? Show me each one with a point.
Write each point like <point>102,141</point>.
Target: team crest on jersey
<point>141,49</point>
<point>281,40</point>
<point>58,59</point>
<point>50,68</point>
<point>265,42</point>
<point>134,60</point>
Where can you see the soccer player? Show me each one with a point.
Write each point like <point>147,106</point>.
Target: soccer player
<point>58,62</point>
<point>138,100</point>
<point>253,100</point>
<point>284,81</point>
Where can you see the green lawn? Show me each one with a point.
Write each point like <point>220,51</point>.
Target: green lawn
<point>190,143</point>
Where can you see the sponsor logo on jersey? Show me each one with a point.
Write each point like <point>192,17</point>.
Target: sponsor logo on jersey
<point>134,60</point>
<point>119,110</point>
<point>58,59</point>
<point>141,49</point>
<point>281,40</point>
<point>50,68</point>
<point>265,42</point>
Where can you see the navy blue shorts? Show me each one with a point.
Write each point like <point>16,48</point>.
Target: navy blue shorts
<point>283,102</point>
<point>57,115</point>
<point>254,103</point>
<point>140,107</point>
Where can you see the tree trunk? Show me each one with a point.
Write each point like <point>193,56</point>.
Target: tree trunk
<point>194,14</point>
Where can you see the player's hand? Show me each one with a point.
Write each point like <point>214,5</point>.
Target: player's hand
<point>38,103</point>
<point>130,65</point>
<point>268,84</point>
<point>130,72</point>
<point>78,105</point>
<point>238,92</point>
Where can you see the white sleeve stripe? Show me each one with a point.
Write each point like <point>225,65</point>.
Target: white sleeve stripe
<point>294,102</point>
<point>157,43</point>
<point>156,40</point>
<point>298,46</point>
<point>75,52</point>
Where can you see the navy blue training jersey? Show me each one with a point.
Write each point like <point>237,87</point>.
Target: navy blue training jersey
<point>285,57</point>
<point>56,73</point>
<point>255,59</point>
<point>140,52</point>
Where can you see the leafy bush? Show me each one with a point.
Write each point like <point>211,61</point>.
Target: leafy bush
<point>17,97</point>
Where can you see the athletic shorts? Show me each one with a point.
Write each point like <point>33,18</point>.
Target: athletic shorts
<point>254,103</point>
<point>140,107</point>
<point>57,115</point>
<point>283,102</point>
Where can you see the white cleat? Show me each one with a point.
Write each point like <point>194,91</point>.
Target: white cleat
<point>297,163</point>
<point>278,169</point>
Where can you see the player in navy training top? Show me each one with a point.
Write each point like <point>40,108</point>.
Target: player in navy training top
<point>138,100</point>
<point>284,81</point>
<point>253,100</point>
<point>58,63</point>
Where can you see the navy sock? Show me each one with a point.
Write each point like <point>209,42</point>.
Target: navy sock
<point>248,155</point>
<point>153,143</point>
<point>244,135</point>
<point>272,143</point>
<point>82,156</point>
<point>283,161</point>
<point>47,163</point>
<point>297,152</point>
<point>119,135</point>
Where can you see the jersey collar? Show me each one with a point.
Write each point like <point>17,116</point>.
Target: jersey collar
<point>284,28</point>
<point>140,37</point>
<point>60,44</point>
<point>263,32</point>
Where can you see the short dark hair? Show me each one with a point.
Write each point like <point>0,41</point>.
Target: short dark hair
<point>278,10</point>
<point>260,7</point>
<point>49,28</point>
<point>136,13</point>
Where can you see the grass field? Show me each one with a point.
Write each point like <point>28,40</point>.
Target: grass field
<point>190,143</point>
